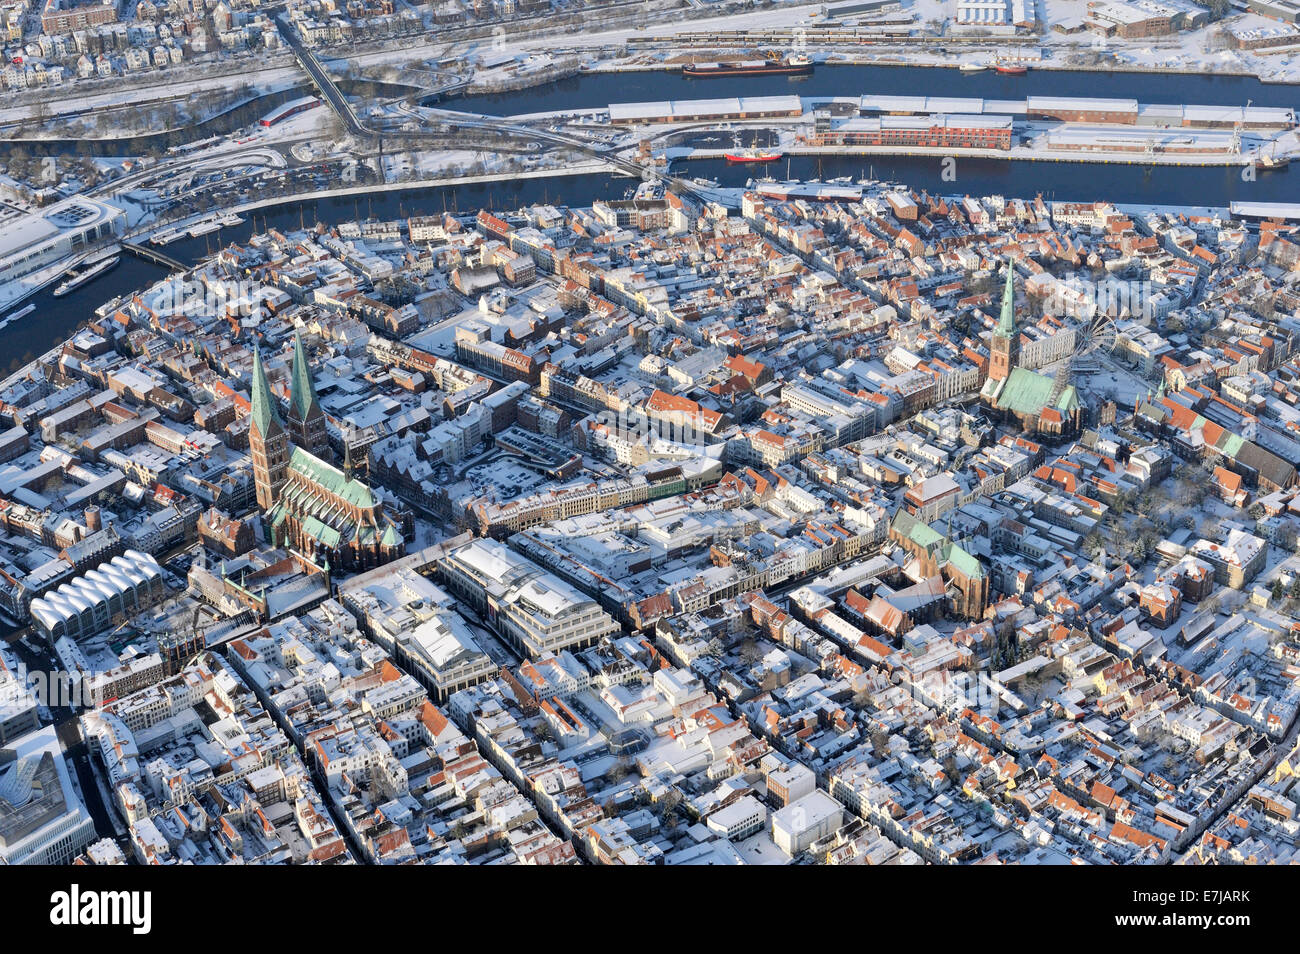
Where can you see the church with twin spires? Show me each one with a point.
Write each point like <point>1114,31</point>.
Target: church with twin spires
<point>1039,403</point>
<point>308,504</point>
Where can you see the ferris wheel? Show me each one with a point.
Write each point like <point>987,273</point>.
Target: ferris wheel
<point>1097,334</point>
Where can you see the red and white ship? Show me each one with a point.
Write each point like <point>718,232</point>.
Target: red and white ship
<point>751,153</point>
<point>1012,69</point>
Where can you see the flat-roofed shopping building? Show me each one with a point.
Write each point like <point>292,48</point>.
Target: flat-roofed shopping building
<point>533,610</point>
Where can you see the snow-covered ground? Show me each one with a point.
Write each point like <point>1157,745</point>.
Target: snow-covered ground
<point>1190,51</point>
<point>15,290</point>
<point>1195,51</point>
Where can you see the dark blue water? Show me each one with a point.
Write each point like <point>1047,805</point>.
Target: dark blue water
<point>594,90</point>
<point>56,318</point>
<point>1061,181</point>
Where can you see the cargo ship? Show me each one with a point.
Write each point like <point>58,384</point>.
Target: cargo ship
<point>751,153</point>
<point>795,64</point>
<point>81,278</point>
<point>204,228</point>
<point>20,313</point>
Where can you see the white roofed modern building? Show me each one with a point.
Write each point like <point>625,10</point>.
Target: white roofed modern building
<point>66,228</point>
<point>535,611</point>
<point>806,820</point>
<point>90,603</point>
<point>412,618</point>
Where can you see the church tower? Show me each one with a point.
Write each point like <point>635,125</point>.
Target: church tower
<point>267,439</point>
<point>305,420</point>
<point>1005,346</point>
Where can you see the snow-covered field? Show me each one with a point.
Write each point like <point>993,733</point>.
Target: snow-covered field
<point>1197,51</point>
<point>1191,51</point>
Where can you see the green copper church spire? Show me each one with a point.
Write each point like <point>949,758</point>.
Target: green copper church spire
<point>1007,320</point>
<point>265,417</point>
<point>302,392</point>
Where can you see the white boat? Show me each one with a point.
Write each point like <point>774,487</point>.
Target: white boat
<point>165,237</point>
<point>22,312</point>
<point>204,228</point>
<point>81,278</point>
<point>972,67</point>
<point>231,219</point>
<point>108,307</point>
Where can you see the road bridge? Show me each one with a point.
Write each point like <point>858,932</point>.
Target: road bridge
<point>320,77</point>
<point>154,256</point>
<point>334,97</point>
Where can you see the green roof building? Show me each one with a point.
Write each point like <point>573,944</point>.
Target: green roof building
<point>1004,348</point>
<point>965,578</point>
<point>309,504</point>
<point>306,420</point>
<point>1038,401</point>
<point>326,514</point>
<point>1007,318</point>
<point>268,441</point>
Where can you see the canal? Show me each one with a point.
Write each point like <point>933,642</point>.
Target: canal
<point>595,90</point>
<point>55,319</point>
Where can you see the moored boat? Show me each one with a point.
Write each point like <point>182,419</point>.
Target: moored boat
<point>89,275</point>
<point>751,153</point>
<point>795,64</point>
<point>22,312</point>
<point>1271,162</point>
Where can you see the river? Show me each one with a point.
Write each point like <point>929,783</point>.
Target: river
<point>594,90</point>
<point>54,319</point>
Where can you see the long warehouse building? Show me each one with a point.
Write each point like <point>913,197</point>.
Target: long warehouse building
<point>960,132</point>
<point>1127,112</point>
<point>697,110</point>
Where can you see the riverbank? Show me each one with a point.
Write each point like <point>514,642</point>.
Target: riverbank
<point>1018,153</point>
<point>877,59</point>
<point>192,124</point>
<point>56,319</point>
<point>592,168</point>
<point>1131,189</point>
<point>627,82</point>
<point>14,293</point>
